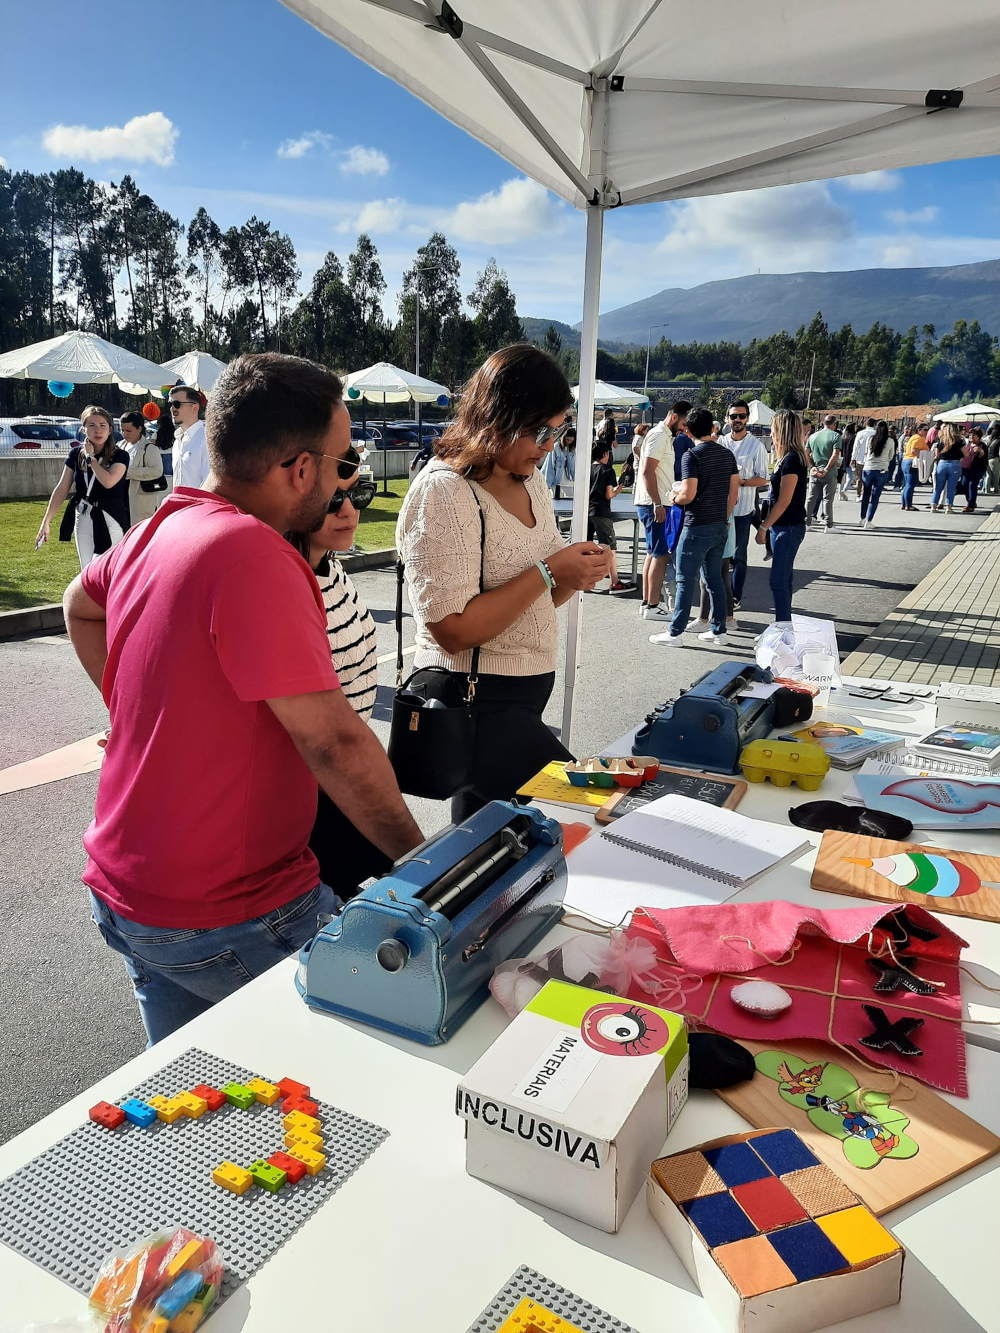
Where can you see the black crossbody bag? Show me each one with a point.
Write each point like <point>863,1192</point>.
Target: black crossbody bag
<point>432,736</point>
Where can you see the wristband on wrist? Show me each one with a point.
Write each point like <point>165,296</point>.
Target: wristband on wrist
<point>543,568</point>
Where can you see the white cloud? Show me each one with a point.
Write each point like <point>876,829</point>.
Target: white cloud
<point>361,161</point>
<point>519,210</point>
<point>296,148</point>
<point>3,162</point>
<point>872,182</point>
<point>377,217</point>
<point>919,217</point>
<point>148,138</point>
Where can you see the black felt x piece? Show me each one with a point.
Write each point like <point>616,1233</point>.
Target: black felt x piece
<point>887,1034</point>
<point>892,977</point>
<point>902,930</point>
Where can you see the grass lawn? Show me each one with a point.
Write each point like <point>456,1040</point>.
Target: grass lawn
<point>31,578</point>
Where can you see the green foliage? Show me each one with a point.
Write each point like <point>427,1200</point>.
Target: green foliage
<point>686,377</point>
<point>780,391</point>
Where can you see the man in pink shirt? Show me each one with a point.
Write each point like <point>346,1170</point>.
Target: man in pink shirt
<point>206,633</point>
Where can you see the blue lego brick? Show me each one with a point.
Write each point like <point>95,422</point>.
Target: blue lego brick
<point>139,1112</point>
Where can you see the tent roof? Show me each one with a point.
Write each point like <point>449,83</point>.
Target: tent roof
<point>383,383</point>
<point>760,414</point>
<point>574,92</point>
<point>971,412</point>
<point>82,358</point>
<point>197,369</point>
<point>609,395</point>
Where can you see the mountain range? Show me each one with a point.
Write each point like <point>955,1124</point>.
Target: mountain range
<point>760,304</point>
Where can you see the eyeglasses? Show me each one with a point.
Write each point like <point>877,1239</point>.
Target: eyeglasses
<point>361,494</point>
<point>738,416</point>
<point>346,466</point>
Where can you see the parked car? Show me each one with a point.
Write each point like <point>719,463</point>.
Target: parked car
<point>19,434</point>
<point>368,434</point>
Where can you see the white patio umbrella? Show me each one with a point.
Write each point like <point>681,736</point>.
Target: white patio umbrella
<point>83,358</point>
<point>760,413</point>
<point>197,369</point>
<point>383,383</point>
<point>609,395</point>
<point>971,412</point>
<point>580,96</point>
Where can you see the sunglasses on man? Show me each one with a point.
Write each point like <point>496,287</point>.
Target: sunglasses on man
<point>346,466</point>
<point>737,416</point>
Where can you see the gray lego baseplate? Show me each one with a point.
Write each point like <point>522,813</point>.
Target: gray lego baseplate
<point>98,1190</point>
<point>527,1283</point>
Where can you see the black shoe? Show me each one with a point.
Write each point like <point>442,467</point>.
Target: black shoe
<point>736,603</point>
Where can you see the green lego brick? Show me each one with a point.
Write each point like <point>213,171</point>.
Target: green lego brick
<point>270,1178</point>
<point>238,1095</point>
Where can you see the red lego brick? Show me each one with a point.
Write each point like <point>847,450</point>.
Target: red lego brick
<point>289,1088</point>
<point>107,1115</point>
<point>302,1104</point>
<point>213,1096</point>
<point>293,1170</point>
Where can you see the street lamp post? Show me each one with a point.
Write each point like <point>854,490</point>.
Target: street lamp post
<point>649,339</point>
<point>426,268</point>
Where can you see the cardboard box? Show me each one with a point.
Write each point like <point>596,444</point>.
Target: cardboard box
<point>776,1242</point>
<point>570,1103</point>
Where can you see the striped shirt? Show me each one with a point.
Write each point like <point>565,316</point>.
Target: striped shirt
<point>351,631</point>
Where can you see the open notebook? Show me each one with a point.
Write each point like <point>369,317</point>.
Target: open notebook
<point>719,844</point>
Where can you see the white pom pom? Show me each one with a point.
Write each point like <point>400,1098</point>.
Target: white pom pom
<point>761,997</point>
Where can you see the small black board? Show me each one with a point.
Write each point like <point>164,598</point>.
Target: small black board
<point>708,787</point>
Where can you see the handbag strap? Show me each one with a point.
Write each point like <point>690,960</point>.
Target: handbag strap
<point>474,664</point>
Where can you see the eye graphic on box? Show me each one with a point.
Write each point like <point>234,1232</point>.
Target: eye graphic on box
<point>619,1028</point>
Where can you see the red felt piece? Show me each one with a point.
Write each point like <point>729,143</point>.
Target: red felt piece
<point>107,1115</point>
<point>303,1104</point>
<point>292,1167</point>
<point>289,1088</point>
<point>213,1096</point>
<point>768,1203</point>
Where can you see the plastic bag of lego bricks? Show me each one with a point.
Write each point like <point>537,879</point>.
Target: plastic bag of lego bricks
<point>166,1283</point>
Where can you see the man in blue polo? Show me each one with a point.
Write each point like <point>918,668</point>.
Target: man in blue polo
<point>654,482</point>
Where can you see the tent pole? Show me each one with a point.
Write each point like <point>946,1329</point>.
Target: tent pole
<point>585,414</point>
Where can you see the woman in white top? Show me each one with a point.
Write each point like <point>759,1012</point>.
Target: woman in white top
<point>879,453</point>
<point>487,465</point>
<point>145,465</point>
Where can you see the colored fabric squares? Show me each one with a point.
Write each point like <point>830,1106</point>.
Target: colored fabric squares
<point>720,1219</point>
<point>783,1151</point>
<point>807,1251</point>
<point>687,1176</point>
<point>857,1235</point>
<point>819,1191</point>
<point>769,1204</point>
<point>753,1266</point>
<point>736,1163</point>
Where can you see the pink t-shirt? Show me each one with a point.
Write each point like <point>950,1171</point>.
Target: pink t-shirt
<point>205,806</point>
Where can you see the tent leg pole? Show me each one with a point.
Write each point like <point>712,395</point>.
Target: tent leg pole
<point>585,429</point>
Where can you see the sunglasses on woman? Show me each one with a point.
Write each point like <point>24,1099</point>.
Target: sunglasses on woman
<point>546,433</point>
<point>361,494</point>
<point>346,466</point>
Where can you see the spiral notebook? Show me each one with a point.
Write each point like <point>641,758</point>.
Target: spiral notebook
<point>719,844</point>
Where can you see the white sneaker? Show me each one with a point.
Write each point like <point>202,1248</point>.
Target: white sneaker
<point>711,637</point>
<point>668,638</point>
<point>656,613</point>
<point>642,609</point>
<point>699,625</point>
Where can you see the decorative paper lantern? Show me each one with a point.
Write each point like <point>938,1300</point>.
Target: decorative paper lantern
<point>443,400</point>
<point>150,411</point>
<point>165,389</point>
<point>354,393</point>
<point>60,388</point>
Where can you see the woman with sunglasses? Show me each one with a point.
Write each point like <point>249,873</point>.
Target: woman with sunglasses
<point>345,856</point>
<point>483,503</point>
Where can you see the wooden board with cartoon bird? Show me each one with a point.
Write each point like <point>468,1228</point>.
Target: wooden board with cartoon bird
<point>890,1149</point>
<point>958,883</point>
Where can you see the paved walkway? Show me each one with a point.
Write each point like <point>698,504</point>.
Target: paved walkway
<point>948,627</point>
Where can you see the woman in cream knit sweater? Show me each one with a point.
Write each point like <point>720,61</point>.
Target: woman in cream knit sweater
<point>487,464</point>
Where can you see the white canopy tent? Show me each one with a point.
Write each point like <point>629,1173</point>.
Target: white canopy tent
<point>760,413</point>
<point>580,96</point>
<point>970,413</point>
<point>83,358</point>
<point>609,395</point>
<point>197,369</point>
<point>383,383</point>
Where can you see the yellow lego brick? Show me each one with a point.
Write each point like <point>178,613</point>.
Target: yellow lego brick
<point>232,1177</point>
<point>530,1317</point>
<point>312,1160</point>
<point>299,1120</point>
<point>187,1257</point>
<point>265,1092</point>
<point>158,1325</point>
<point>166,1108</point>
<point>190,1104</point>
<point>188,1319</point>
<point>304,1140</point>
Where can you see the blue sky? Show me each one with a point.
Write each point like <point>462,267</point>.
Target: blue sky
<point>241,106</point>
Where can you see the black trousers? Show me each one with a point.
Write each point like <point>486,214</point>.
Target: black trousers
<point>346,857</point>
<point>512,741</point>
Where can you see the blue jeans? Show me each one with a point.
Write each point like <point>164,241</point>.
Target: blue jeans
<point>947,474</point>
<point>742,524</point>
<point>785,543</point>
<point>700,551</point>
<point>973,481</point>
<point>872,481</point>
<point>177,974</point>
<point>911,475</point>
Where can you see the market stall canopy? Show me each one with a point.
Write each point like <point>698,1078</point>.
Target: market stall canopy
<point>197,369</point>
<point>383,383</point>
<point>898,83</point>
<point>760,413</point>
<point>971,412</point>
<point>82,358</point>
<point>609,395</point>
